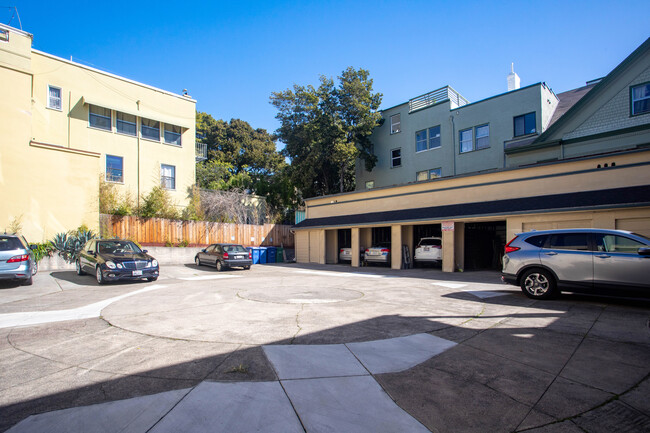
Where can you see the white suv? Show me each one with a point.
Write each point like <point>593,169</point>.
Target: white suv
<point>429,250</point>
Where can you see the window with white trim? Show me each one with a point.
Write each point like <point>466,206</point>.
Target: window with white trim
<point>476,138</point>
<point>99,117</point>
<point>114,168</point>
<point>54,97</point>
<point>172,134</point>
<point>427,139</point>
<point>4,35</point>
<point>126,123</point>
<point>640,99</point>
<point>395,158</point>
<point>395,123</point>
<point>168,176</point>
<point>466,140</point>
<point>150,129</point>
<point>482,134</point>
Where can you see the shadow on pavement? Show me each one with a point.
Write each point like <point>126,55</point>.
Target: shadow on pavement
<point>564,362</point>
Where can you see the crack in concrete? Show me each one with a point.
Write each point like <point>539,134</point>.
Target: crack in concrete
<point>302,307</point>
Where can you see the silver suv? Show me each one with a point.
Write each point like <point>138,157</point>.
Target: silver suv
<point>543,263</point>
<point>16,259</point>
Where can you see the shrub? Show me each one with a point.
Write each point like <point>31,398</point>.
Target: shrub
<point>42,250</point>
<point>112,202</point>
<point>184,243</point>
<point>158,203</point>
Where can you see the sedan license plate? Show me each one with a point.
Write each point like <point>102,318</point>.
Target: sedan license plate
<point>137,273</point>
<point>426,248</point>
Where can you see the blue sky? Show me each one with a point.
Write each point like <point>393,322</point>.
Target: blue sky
<point>232,55</point>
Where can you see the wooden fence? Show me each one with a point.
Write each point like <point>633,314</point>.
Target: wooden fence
<point>159,231</point>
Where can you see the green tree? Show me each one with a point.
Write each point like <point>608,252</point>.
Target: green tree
<point>326,129</point>
<point>243,158</point>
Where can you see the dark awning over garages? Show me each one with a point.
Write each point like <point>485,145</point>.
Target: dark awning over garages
<point>589,200</point>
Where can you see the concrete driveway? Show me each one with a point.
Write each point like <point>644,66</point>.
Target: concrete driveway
<point>284,348</point>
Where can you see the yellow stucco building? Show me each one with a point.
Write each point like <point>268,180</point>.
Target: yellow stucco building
<point>63,125</point>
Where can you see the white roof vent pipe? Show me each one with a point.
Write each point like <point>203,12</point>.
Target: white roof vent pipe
<point>513,79</point>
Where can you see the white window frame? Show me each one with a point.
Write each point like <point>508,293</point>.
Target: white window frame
<point>429,137</point>
<point>112,179</point>
<point>395,127</point>
<point>477,138</point>
<point>438,172</point>
<point>49,98</point>
<point>643,98</point>
<point>393,157</point>
<point>163,178</point>
<point>424,139</point>
<point>4,35</point>
<point>470,140</point>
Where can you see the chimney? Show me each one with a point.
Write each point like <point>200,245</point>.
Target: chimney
<point>513,79</point>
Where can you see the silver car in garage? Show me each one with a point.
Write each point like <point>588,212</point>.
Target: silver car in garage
<point>599,261</point>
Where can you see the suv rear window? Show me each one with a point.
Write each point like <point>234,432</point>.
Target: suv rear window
<point>8,244</point>
<point>537,241</point>
<point>570,241</point>
<point>427,242</point>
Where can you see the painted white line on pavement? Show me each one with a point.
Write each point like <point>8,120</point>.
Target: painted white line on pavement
<point>86,312</point>
<point>449,284</point>
<point>208,277</point>
<point>340,274</point>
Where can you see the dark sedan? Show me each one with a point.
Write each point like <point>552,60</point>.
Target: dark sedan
<point>224,256</point>
<point>115,259</point>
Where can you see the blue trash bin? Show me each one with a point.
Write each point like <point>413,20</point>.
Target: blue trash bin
<point>271,252</point>
<point>263,255</point>
<point>255,254</point>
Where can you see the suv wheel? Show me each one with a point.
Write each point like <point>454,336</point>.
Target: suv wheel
<point>219,266</point>
<point>538,284</point>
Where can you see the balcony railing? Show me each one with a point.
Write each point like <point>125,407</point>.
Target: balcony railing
<point>201,151</point>
<point>436,96</point>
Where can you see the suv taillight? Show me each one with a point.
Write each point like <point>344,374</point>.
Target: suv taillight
<point>21,258</point>
<point>225,255</point>
<point>250,254</point>
<point>385,250</point>
<point>510,249</point>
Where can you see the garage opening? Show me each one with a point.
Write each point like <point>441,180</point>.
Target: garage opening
<point>429,257</point>
<point>344,246</point>
<point>381,249</point>
<point>484,244</point>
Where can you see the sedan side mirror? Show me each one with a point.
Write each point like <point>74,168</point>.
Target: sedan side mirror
<point>644,251</point>
<point>145,251</point>
<point>203,250</point>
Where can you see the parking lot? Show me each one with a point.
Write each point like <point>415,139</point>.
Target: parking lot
<point>316,348</point>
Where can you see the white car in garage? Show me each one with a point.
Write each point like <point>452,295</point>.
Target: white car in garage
<point>429,250</point>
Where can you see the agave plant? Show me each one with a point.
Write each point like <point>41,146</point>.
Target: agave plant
<point>69,244</point>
